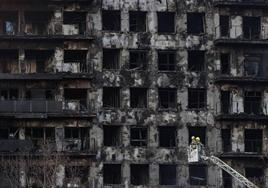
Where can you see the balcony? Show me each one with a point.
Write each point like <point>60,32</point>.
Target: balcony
<point>242,111</point>
<point>242,149</point>
<point>241,3</point>
<point>238,35</point>
<point>44,109</point>
<point>46,31</point>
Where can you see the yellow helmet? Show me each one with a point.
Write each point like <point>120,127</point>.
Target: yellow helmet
<point>197,139</point>
<point>193,138</point>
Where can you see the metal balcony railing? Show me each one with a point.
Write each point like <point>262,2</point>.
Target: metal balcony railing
<point>242,33</point>
<point>242,1</point>
<point>242,107</point>
<point>35,106</point>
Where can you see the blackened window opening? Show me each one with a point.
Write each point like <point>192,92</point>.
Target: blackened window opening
<point>111,20</point>
<point>138,60</point>
<point>225,102</point>
<point>110,59</point>
<point>167,174</point>
<point>76,97</point>
<point>112,135</point>
<point>196,60</point>
<point>137,21</point>
<point>167,136</point>
<point>198,174</point>
<point>252,102</point>
<point>226,140</point>
<point>166,60</point>
<point>77,57</point>
<point>253,140</point>
<point>255,175</point>
<point>8,60</point>
<point>225,63</point>
<point>195,23</point>
<point>76,172</point>
<point>224,25</point>
<point>111,97</point>
<point>76,18</point>
<point>227,180</point>
<point>166,23</point>
<point>138,97</point>
<point>36,22</point>
<point>139,174</point>
<point>252,64</point>
<point>8,22</point>
<point>138,136</point>
<point>251,27</point>
<point>197,98</point>
<point>112,174</point>
<point>167,97</point>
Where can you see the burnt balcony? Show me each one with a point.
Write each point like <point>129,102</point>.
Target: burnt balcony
<point>238,35</point>
<point>44,108</point>
<point>241,3</point>
<point>241,149</point>
<point>242,111</point>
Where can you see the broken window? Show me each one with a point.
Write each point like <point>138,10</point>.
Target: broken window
<point>138,97</point>
<point>252,102</point>
<point>137,21</point>
<point>9,61</point>
<point>198,174</point>
<point>195,23</point>
<point>111,97</point>
<point>226,140</point>
<point>225,63</point>
<point>167,97</point>
<point>36,61</point>
<point>251,27</point>
<point>74,23</point>
<point>167,136</point>
<point>224,25</point>
<point>8,22</point>
<point>111,20</point>
<point>197,98</point>
<point>138,136</point>
<point>166,60</point>
<point>253,140</point>
<point>36,23</point>
<point>139,174</point>
<point>75,99</point>
<point>9,94</point>
<point>196,60</point>
<point>75,61</point>
<point>255,175</point>
<point>227,180</point>
<point>167,174</point>
<point>112,135</point>
<point>40,94</point>
<point>166,23</point>
<point>76,176</point>
<point>76,138</point>
<point>112,174</point>
<point>197,132</point>
<point>41,137</point>
<point>252,64</point>
<point>111,59</point>
<point>225,102</point>
<point>138,59</point>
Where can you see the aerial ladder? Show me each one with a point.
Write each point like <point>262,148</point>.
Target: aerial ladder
<point>196,153</point>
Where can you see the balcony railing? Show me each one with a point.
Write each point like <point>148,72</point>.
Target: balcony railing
<point>239,33</point>
<point>32,106</point>
<point>242,107</point>
<point>241,1</point>
<point>46,29</point>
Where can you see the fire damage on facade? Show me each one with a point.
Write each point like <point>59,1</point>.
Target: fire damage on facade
<point>108,93</point>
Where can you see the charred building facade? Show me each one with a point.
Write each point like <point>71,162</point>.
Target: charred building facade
<point>110,92</point>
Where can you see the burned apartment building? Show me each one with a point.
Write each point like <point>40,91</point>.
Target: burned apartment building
<point>108,93</point>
